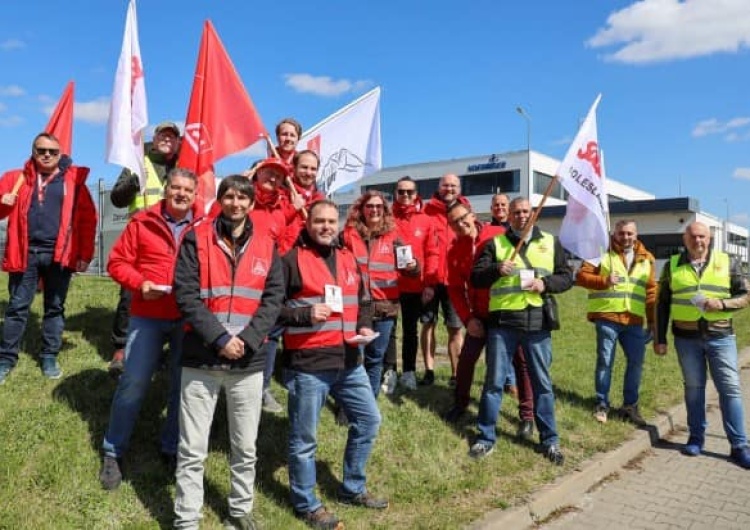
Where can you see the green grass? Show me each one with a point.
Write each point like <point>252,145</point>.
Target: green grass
<point>50,433</point>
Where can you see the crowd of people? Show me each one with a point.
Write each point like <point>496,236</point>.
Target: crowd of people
<point>270,265</point>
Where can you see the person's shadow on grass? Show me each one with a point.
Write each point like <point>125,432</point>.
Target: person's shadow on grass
<point>95,325</point>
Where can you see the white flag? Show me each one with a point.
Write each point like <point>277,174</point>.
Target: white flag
<point>348,143</point>
<point>584,230</point>
<point>128,114</point>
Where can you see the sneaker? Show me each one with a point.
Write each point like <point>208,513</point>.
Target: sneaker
<point>408,380</point>
<point>110,476</point>
<point>741,456</point>
<point>50,368</point>
<point>600,413</point>
<point>632,414</point>
<point>554,455</point>
<point>479,450</point>
<point>341,418</point>
<point>390,379</point>
<point>270,404</point>
<point>5,369</point>
<point>364,500</point>
<point>693,447</point>
<point>454,414</point>
<point>321,519</point>
<point>117,364</point>
<point>428,379</point>
<point>525,430</point>
<point>246,522</point>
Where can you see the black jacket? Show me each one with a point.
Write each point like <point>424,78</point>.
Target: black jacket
<point>486,272</point>
<point>127,185</point>
<point>203,342</point>
<point>334,358</point>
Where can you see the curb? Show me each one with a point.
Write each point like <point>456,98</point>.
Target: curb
<point>568,490</point>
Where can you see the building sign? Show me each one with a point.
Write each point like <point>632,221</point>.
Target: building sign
<point>493,162</point>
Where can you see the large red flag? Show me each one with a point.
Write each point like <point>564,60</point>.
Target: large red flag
<point>61,122</point>
<point>221,117</point>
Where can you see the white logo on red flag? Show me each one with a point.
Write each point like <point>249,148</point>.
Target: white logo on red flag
<point>198,138</point>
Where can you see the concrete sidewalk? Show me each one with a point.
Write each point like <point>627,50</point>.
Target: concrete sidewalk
<point>646,483</point>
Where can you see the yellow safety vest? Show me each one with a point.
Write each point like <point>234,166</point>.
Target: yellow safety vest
<point>154,190</point>
<point>628,296</point>
<point>506,293</point>
<point>685,284</point>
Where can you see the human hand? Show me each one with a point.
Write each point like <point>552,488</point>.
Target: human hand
<point>149,291</point>
<point>427,295</point>
<point>320,313</point>
<point>506,267</point>
<point>9,199</point>
<point>475,328</point>
<point>234,349</point>
<point>660,349</point>
<point>81,265</point>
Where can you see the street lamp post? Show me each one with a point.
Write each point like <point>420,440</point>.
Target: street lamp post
<point>520,110</point>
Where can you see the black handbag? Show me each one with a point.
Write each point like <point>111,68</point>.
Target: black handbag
<point>550,313</point>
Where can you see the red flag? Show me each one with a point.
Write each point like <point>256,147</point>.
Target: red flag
<point>61,122</point>
<point>221,117</point>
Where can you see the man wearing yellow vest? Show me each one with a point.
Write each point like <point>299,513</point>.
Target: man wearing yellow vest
<point>622,296</point>
<point>160,158</point>
<point>517,317</point>
<point>700,289</point>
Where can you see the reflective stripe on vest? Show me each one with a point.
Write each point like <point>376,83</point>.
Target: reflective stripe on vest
<point>154,189</point>
<point>378,263</point>
<point>628,296</point>
<point>315,275</point>
<point>506,293</point>
<point>232,296</point>
<point>713,283</point>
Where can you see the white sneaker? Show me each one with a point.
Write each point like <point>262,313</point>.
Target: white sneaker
<point>389,382</point>
<point>409,380</point>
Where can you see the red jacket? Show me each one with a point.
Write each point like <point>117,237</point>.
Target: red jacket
<point>444,236</point>
<point>295,219</point>
<point>268,214</point>
<point>415,228</point>
<point>467,300</point>
<point>78,221</point>
<point>146,250</point>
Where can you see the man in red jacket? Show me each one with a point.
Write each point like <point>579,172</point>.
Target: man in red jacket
<point>142,261</point>
<point>51,231</point>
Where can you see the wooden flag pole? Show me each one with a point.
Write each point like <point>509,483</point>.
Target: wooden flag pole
<point>532,221</point>
<point>292,190</point>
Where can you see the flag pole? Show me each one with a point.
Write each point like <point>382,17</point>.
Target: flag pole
<point>292,190</point>
<point>534,216</point>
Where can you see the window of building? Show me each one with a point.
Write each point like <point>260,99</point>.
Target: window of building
<point>491,183</point>
<point>386,189</point>
<point>542,180</point>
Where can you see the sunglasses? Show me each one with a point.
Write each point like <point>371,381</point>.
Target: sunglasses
<point>374,206</point>
<point>41,151</point>
<point>406,192</point>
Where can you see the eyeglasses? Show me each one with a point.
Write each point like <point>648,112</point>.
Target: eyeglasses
<point>374,206</point>
<point>460,219</point>
<point>41,151</point>
<point>410,193</point>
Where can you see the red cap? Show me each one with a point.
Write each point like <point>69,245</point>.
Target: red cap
<point>275,163</point>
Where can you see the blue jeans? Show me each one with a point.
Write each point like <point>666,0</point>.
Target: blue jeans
<point>633,341</point>
<point>375,352</point>
<point>721,355</point>
<point>21,290</point>
<point>269,350</point>
<point>146,338</point>
<point>307,394</point>
<point>501,345</point>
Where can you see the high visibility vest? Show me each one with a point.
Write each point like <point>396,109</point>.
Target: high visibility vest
<point>378,263</point>
<point>233,296</point>
<point>628,296</point>
<point>685,284</point>
<point>154,189</point>
<point>315,275</point>
<point>506,293</point>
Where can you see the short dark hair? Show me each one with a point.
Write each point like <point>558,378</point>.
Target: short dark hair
<point>180,172</point>
<point>406,178</point>
<point>321,203</point>
<point>291,121</point>
<point>238,183</point>
<point>48,136</point>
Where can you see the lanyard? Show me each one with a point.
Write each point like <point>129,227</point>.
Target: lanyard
<point>42,184</point>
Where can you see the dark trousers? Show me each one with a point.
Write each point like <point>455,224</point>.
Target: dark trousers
<point>122,318</point>
<point>411,309</point>
<point>22,287</point>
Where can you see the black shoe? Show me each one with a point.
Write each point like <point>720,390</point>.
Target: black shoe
<point>364,500</point>
<point>526,431</point>
<point>341,418</point>
<point>110,475</point>
<point>554,455</point>
<point>428,379</point>
<point>454,414</point>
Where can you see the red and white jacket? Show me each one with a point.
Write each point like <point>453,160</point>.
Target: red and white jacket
<point>415,228</point>
<point>444,236</point>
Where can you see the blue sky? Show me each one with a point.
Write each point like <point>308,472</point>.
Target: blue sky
<point>674,75</point>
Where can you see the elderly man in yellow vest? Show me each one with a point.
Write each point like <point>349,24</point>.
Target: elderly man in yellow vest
<point>160,158</point>
<point>700,289</point>
<point>622,296</point>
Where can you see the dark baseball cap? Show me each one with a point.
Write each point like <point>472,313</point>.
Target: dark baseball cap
<point>167,126</point>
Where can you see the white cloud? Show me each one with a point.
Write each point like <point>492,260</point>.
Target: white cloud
<point>742,173</point>
<point>12,91</point>
<point>661,30</point>
<point>11,121</point>
<point>12,44</point>
<point>95,111</point>
<point>323,85</point>
<point>715,126</point>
